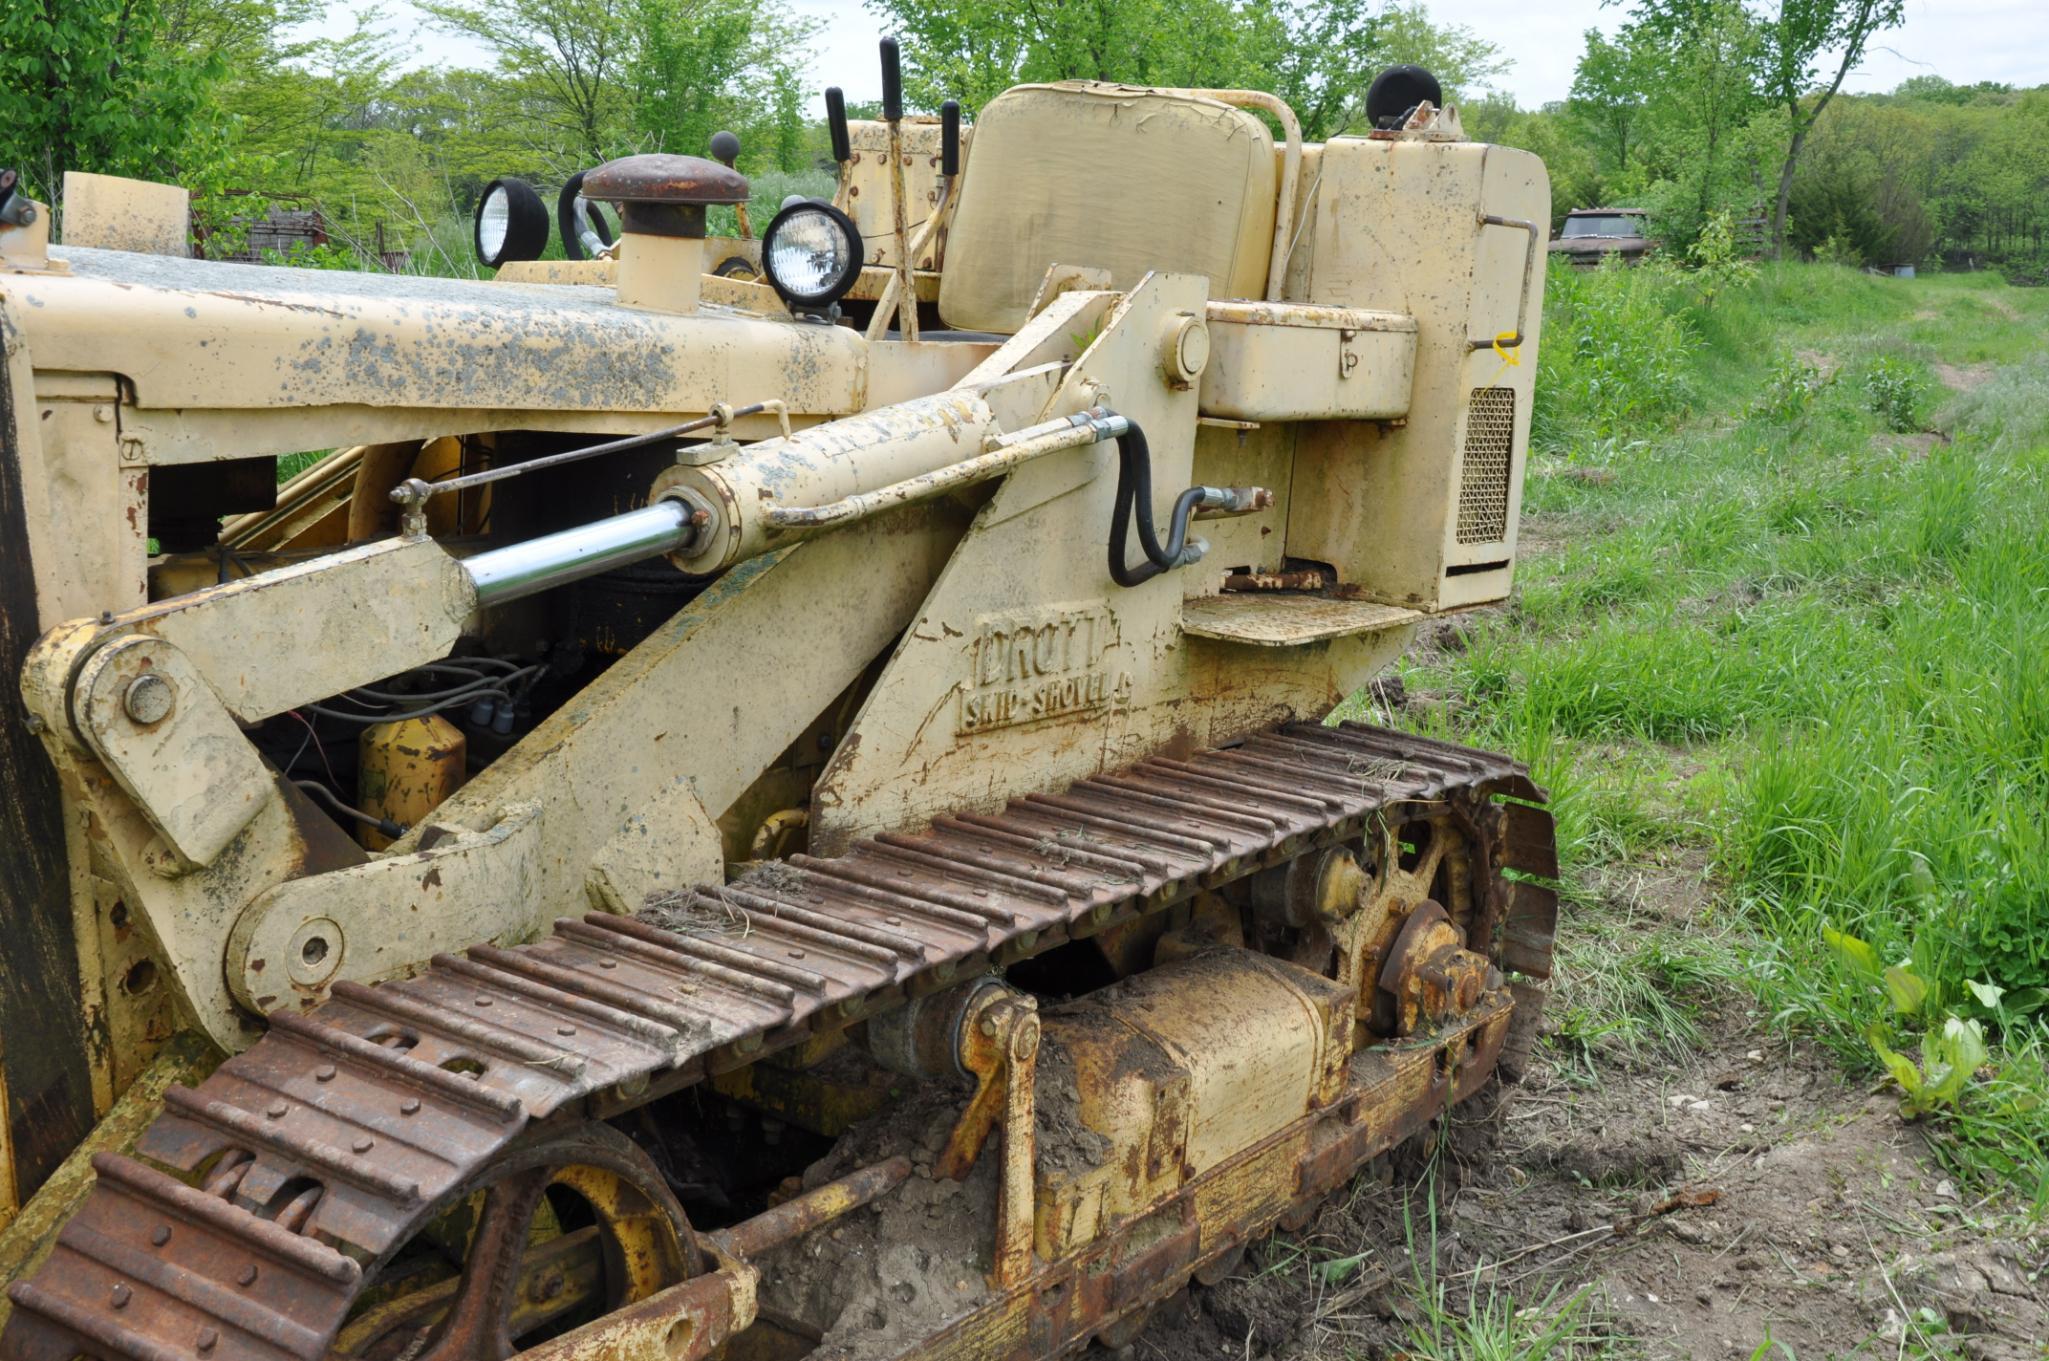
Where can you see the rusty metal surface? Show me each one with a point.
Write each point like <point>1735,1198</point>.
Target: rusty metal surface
<point>814,1209</point>
<point>640,1245</point>
<point>1306,580</point>
<point>684,1323</point>
<point>1390,1093</point>
<point>658,177</point>
<point>324,1147</point>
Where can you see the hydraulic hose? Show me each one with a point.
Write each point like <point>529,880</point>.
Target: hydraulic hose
<point>1135,501</point>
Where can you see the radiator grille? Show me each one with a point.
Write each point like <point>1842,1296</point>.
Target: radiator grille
<point>1483,483</point>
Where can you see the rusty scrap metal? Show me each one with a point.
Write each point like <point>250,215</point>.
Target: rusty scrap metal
<point>355,1122</point>
<point>1429,974</point>
<point>1392,1092</point>
<point>997,1041</point>
<point>814,1209</point>
<point>1308,579</point>
<point>504,1290</point>
<point>687,1322</point>
<point>1016,1028</point>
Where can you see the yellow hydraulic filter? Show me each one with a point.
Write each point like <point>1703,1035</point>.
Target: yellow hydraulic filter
<point>405,770</point>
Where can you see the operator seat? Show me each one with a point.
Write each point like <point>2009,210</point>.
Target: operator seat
<point>1108,177</point>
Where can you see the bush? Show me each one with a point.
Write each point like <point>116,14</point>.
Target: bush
<point>1790,391</point>
<point>1615,355</point>
<point>1718,260</point>
<point>1897,392</point>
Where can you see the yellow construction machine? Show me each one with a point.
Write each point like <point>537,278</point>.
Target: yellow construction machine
<point>771,795</point>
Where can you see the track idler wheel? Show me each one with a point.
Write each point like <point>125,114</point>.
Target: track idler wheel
<point>1430,976</point>
<point>564,1228</point>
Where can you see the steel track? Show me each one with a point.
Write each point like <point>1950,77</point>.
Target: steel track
<point>304,1163</point>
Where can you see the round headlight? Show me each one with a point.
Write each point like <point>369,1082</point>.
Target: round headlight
<point>811,253</point>
<point>512,223</point>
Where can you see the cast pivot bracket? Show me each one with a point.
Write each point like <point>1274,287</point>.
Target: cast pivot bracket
<point>999,1046</point>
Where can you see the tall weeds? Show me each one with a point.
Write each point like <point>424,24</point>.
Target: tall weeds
<point>1614,356</point>
<point>1831,632</point>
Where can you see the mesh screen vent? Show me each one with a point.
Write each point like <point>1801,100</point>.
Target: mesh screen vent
<point>1483,482</point>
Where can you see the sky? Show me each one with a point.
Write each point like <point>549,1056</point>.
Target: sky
<point>1961,40</point>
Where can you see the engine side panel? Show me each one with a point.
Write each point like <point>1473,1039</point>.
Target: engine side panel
<point>45,1079</point>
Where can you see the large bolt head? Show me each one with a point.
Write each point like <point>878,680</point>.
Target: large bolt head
<point>1184,351</point>
<point>149,699</point>
<point>1024,1042</point>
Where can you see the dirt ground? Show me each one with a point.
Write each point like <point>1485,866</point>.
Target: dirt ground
<point>1685,1209</point>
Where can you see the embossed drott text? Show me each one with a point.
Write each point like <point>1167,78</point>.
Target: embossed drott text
<point>1046,664</point>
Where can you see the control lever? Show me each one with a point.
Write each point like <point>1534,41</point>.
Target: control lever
<point>892,82</point>
<point>836,123</point>
<point>949,139</point>
<point>893,114</point>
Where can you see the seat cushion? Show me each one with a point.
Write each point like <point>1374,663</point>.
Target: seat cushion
<point>1110,177</point>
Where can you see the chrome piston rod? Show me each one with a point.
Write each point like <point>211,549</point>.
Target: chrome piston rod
<point>524,569</point>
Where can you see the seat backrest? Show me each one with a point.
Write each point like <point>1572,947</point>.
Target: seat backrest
<point>1108,177</point>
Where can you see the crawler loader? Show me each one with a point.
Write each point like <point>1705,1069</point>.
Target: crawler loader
<point>764,789</point>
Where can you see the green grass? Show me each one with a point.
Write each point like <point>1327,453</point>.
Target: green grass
<point>1468,1317</point>
<point>290,466</point>
<point>1800,620</point>
<point>1478,1323</point>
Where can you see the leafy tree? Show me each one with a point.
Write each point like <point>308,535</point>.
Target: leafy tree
<point>98,85</point>
<point>602,78</point>
<point>973,50</point>
<point>787,106</point>
<point>1318,55</point>
<point>247,32</point>
<point>1699,141</point>
<point>1794,40</point>
<point>1611,89</point>
<point>1863,186</point>
<point>571,54</point>
<point>699,65</point>
<point>1789,40</point>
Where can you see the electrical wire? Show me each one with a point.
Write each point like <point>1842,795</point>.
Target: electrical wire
<point>509,686</point>
<point>304,742</point>
<point>363,692</point>
<point>372,719</point>
<point>323,794</point>
<point>891,231</point>
<point>496,679</point>
<point>312,735</point>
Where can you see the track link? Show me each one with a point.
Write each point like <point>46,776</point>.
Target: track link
<point>310,1158</point>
